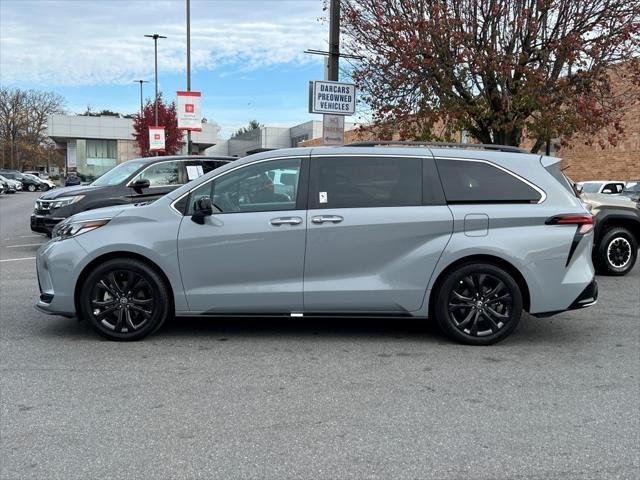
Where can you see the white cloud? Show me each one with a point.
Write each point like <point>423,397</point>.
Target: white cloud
<point>99,42</point>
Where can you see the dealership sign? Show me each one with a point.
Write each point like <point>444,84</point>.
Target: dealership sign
<point>332,97</point>
<point>156,139</point>
<point>189,108</point>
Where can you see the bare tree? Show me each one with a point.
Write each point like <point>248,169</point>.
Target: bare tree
<point>23,122</point>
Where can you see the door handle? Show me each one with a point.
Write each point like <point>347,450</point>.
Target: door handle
<point>327,218</point>
<point>276,222</point>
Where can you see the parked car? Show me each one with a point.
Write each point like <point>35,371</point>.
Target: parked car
<point>471,236</point>
<point>617,232</point>
<point>134,181</point>
<point>44,184</point>
<point>72,180</point>
<point>28,183</point>
<point>36,173</point>
<point>10,186</point>
<point>632,190</point>
<point>601,186</point>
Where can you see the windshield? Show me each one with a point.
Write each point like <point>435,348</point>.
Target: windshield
<point>591,187</point>
<point>119,173</point>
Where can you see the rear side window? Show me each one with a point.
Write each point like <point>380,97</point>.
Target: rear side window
<point>356,182</point>
<point>479,182</point>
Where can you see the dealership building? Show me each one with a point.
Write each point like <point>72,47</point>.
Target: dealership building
<point>270,138</point>
<point>94,145</point>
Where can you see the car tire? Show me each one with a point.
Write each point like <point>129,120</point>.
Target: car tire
<point>31,188</point>
<point>616,253</point>
<point>124,299</point>
<point>478,304</point>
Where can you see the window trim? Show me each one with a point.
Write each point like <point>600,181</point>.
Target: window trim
<point>543,194</point>
<point>423,168</point>
<point>303,187</point>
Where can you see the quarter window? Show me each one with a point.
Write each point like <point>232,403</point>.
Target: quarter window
<point>355,182</point>
<point>266,186</point>
<point>479,182</point>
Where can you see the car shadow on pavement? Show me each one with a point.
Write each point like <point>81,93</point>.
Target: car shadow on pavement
<point>531,330</point>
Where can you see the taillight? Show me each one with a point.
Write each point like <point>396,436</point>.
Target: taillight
<point>584,221</point>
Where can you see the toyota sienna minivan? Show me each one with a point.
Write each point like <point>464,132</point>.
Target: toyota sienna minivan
<point>471,236</point>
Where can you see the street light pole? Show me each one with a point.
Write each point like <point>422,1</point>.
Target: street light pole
<point>141,97</point>
<point>155,37</point>
<point>188,66</point>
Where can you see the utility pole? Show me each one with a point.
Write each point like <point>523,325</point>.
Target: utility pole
<point>141,97</point>
<point>334,40</point>
<point>155,37</point>
<point>188,66</point>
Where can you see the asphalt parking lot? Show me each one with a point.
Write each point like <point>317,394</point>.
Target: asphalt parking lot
<point>247,398</point>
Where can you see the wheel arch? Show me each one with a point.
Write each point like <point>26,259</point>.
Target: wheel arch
<point>121,254</point>
<point>483,258</point>
<point>608,219</point>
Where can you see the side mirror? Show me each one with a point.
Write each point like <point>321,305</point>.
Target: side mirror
<point>140,185</point>
<point>607,190</point>
<point>203,208</point>
<point>579,188</point>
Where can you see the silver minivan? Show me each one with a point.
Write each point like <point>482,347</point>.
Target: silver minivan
<point>471,235</point>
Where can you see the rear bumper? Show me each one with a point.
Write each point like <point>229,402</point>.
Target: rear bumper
<point>587,298</point>
<point>44,224</point>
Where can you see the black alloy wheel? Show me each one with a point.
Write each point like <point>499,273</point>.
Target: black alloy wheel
<point>616,253</point>
<point>124,299</point>
<point>478,304</point>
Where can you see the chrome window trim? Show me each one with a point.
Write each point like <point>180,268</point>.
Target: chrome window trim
<point>288,157</point>
<point>543,194</point>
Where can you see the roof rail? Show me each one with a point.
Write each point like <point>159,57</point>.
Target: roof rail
<point>479,146</point>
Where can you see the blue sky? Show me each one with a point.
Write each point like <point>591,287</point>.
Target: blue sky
<point>247,55</point>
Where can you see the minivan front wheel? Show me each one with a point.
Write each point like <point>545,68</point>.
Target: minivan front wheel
<point>478,304</point>
<point>124,299</point>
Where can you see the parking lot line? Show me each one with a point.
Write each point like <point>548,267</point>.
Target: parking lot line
<point>17,259</point>
<point>23,245</point>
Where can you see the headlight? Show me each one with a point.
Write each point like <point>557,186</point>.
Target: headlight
<point>72,229</point>
<point>64,201</point>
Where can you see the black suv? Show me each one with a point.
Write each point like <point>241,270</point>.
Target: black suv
<point>134,181</point>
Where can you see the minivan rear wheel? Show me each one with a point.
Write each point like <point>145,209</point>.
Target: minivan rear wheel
<point>478,304</point>
<point>124,299</point>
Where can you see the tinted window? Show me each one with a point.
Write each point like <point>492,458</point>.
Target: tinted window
<point>161,174</point>
<point>352,182</point>
<point>478,182</point>
<point>253,188</point>
<point>613,187</point>
<point>208,165</point>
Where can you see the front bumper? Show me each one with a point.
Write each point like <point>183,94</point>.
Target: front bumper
<point>58,265</point>
<point>43,223</point>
